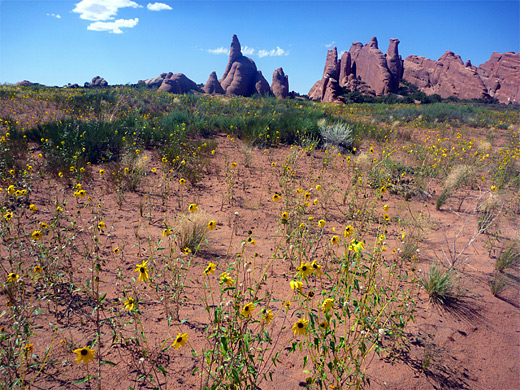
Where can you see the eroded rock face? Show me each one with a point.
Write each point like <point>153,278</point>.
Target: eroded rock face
<point>370,64</point>
<point>24,83</point>
<point>280,84</point>
<point>178,83</point>
<point>501,75</point>
<point>363,68</point>
<point>345,68</point>
<point>328,89</point>
<point>241,76</point>
<point>366,69</point>
<point>448,76</point>
<point>98,82</point>
<point>331,90</point>
<point>394,62</point>
<point>332,65</point>
<point>235,51</point>
<point>213,86</point>
<point>261,84</point>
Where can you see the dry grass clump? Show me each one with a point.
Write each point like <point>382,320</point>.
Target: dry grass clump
<point>191,230</point>
<point>363,162</point>
<point>459,176</point>
<point>489,211</point>
<point>483,147</point>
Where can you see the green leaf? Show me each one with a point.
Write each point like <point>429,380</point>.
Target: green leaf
<point>161,368</point>
<point>87,378</point>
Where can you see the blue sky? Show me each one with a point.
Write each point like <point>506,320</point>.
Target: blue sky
<point>57,42</point>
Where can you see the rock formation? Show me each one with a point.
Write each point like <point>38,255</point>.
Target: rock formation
<point>280,84</point>
<point>366,69</point>
<point>156,81</point>
<point>213,86</point>
<point>394,62</point>
<point>261,84</point>
<point>345,70</point>
<point>170,82</point>
<point>370,65</point>
<point>98,82</point>
<point>241,76</point>
<point>362,68</point>
<point>448,76</point>
<point>328,89</point>
<point>24,83</point>
<point>178,83</point>
<point>501,76</point>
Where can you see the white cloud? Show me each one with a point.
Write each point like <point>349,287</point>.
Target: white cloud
<point>248,51</point>
<point>113,27</point>
<point>158,7</point>
<point>272,53</point>
<point>219,50</point>
<point>57,16</point>
<point>330,44</point>
<point>97,10</point>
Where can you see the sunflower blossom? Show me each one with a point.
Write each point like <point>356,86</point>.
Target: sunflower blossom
<point>300,327</point>
<point>248,310</point>
<point>180,340</point>
<point>129,304</point>
<point>85,355</point>
<point>327,304</point>
<point>226,279</point>
<point>296,285</point>
<point>210,269</point>
<point>267,316</point>
<point>12,277</point>
<point>143,271</point>
<point>305,270</point>
<point>349,230</point>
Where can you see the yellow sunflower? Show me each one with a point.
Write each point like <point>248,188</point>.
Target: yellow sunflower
<point>143,271</point>
<point>300,327</point>
<point>305,270</point>
<point>248,310</point>
<point>180,340</point>
<point>129,304</point>
<point>267,316</point>
<point>85,355</point>
<point>210,269</point>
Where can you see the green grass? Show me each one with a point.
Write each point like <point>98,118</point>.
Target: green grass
<point>442,286</point>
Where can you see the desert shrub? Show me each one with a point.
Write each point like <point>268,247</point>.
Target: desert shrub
<point>338,134</point>
<point>508,257</point>
<point>498,283</point>
<point>459,176</point>
<point>191,230</point>
<point>69,143</point>
<point>190,159</point>
<point>488,211</point>
<point>128,173</point>
<point>442,286</point>
<point>508,175</point>
<point>13,151</point>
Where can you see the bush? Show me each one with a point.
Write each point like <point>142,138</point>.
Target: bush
<point>441,286</point>
<point>338,134</point>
